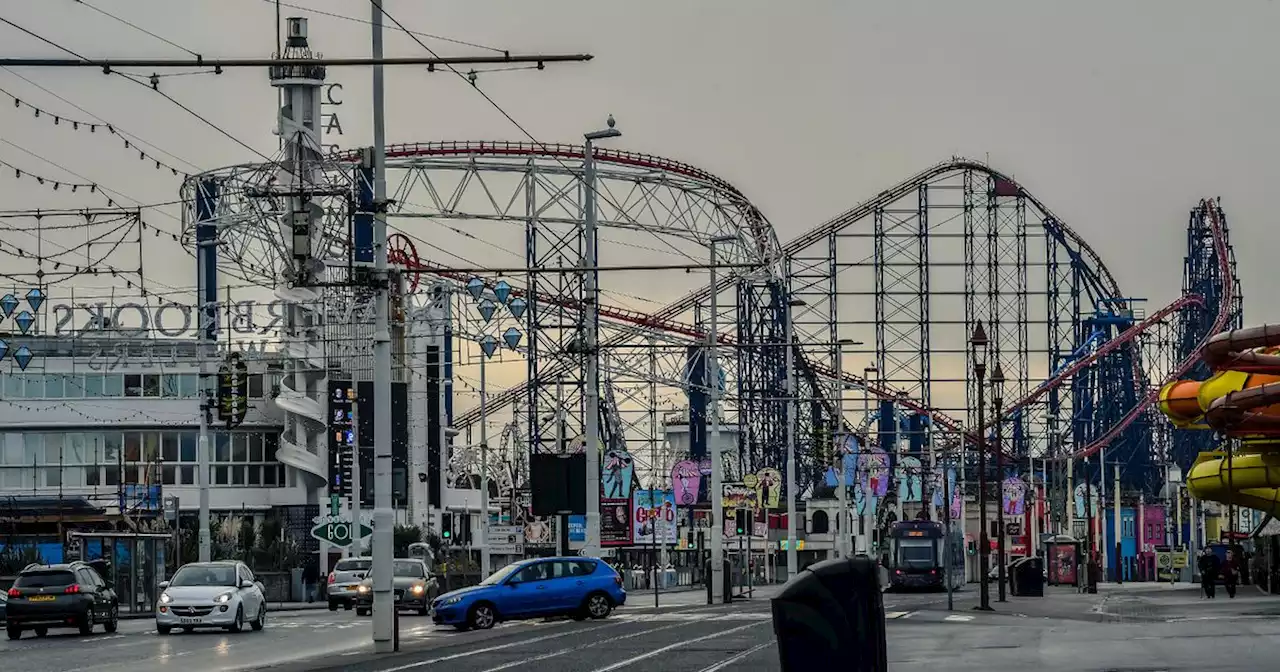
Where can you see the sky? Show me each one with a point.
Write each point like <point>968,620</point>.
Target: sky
<point>1119,116</point>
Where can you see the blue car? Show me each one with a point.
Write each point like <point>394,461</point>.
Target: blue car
<point>579,587</point>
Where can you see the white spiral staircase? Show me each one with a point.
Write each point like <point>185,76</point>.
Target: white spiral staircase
<point>304,389</point>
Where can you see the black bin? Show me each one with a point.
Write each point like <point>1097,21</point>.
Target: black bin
<point>1028,577</point>
<point>728,582</point>
<point>832,611</point>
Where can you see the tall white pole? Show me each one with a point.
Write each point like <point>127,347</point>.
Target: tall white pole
<point>591,424</point>
<point>383,514</point>
<point>842,496</point>
<point>357,543</point>
<point>1116,524</point>
<point>793,560</point>
<point>484,470</point>
<point>711,374</point>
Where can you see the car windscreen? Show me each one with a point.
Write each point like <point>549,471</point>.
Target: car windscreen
<point>205,575</point>
<point>46,579</point>
<point>915,553</point>
<point>353,565</point>
<point>501,575</point>
<point>409,569</point>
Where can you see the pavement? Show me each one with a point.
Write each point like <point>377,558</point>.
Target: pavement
<point>1122,628</point>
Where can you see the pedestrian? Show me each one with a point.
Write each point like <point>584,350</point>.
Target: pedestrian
<point>1230,574</point>
<point>1208,565</point>
<point>310,578</point>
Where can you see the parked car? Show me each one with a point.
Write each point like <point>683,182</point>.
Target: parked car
<point>579,587</point>
<point>412,582</point>
<point>71,595</point>
<point>4,597</point>
<point>211,595</point>
<point>344,581</point>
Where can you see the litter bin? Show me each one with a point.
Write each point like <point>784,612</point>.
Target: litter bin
<point>1028,577</point>
<point>832,611</point>
<point>728,582</point>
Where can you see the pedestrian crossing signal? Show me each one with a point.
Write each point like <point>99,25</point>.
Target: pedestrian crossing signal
<point>744,520</point>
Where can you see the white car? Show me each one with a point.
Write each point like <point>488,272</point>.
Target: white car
<point>211,595</point>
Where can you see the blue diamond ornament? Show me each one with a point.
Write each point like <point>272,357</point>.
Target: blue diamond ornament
<point>489,345</point>
<point>517,306</point>
<point>8,304</point>
<point>25,319</point>
<point>35,299</point>
<point>476,287</point>
<point>487,308</point>
<point>4,349</point>
<point>512,337</point>
<point>22,356</point>
<point>502,291</point>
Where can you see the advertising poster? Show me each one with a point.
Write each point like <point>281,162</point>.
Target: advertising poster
<point>873,471</point>
<point>1013,496</point>
<point>738,496</point>
<point>1080,502</point>
<point>654,512</point>
<point>615,522</point>
<point>617,472</point>
<point>768,488</point>
<point>909,472</point>
<point>686,478</point>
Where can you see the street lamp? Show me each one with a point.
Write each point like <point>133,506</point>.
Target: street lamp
<point>978,349</point>
<point>793,560</point>
<point>712,375</point>
<point>842,520</point>
<point>591,317</point>
<point>997,393</point>
<point>866,414</point>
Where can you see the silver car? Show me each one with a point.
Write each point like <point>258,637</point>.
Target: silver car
<point>344,581</point>
<point>211,595</point>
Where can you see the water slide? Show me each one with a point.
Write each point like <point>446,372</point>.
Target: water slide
<point>1240,400</point>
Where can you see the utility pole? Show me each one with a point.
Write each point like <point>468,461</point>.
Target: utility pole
<point>978,343</point>
<point>383,514</point>
<point>1116,524</point>
<point>711,374</point>
<point>207,281</point>
<point>591,317</point>
<point>997,391</point>
<point>793,560</point>
<point>485,558</point>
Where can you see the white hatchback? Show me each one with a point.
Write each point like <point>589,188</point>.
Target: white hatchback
<point>211,595</point>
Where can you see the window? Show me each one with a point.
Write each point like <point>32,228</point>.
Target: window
<point>13,386</point>
<point>255,386</point>
<point>112,442</point>
<point>52,448</point>
<point>188,475</point>
<point>133,385</point>
<point>73,385</point>
<point>93,476</point>
<point>169,385</point>
<point>168,474</point>
<point>169,447</point>
<point>188,385</point>
<point>150,385</point>
<point>93,385</point>
<point>188,443</point>
<point>52,477</point>
<point>132,447</point>
<point>255,447</point>
<point>221,448</point>
<point>35,386</point>
<point>73,449</point>
<point>271,442</point>
<point>53,386</point>
<point>113,385</point>
<point>239,447</point>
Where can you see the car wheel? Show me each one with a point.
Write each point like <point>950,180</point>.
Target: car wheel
<point>164,629</point>
<point>86,623</point>
<point>112,623</point>
<point>14,632</point>
<point>599,605</point>
<point>348,606</point>
<point>238,624</point>
<point>261,621</point>
<point>482,616</point>
<point>41,631</point>
<point>333,606</point>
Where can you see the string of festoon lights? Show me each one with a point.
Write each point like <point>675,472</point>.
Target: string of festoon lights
<point>74,407</point>
<point>91,127</point>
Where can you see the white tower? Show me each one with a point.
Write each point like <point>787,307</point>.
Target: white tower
<point>304,389</point>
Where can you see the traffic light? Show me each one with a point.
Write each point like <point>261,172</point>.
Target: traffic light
<point>446,528</point>
<point>744,521</point>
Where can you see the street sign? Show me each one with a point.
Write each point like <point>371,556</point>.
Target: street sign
<point>506,539</point>
<point>336,530</point>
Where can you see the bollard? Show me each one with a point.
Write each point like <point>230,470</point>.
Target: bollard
<point>832,611</point>
<point>395,629</point>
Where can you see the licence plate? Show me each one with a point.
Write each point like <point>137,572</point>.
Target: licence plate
<point>350,589</point>
<point>41,598</point>
<point>189,621</point>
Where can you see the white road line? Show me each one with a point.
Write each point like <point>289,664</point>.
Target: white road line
<point>499,647</point>
<point>897,614</point>
<point>736,657</point>
<point>572,649</point>
<point>956,618</point>
<point>655,652</point>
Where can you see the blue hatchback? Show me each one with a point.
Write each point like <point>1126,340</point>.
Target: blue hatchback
<point>579,587</point>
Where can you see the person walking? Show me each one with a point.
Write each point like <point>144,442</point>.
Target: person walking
<point>1208,565</point>
<point>1231,573</point>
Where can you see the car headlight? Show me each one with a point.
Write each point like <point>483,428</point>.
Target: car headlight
<point>362,589</point>
<point>224,598</point>
<point>451,600</point>
<point>418,589</point>
<point>165,598</point>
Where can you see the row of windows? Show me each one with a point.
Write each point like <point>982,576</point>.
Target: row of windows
<point>57,449</point>
<point>263,475</point>
<point>113,385</point>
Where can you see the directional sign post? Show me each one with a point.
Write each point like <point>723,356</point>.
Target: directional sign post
<point>336,530</point>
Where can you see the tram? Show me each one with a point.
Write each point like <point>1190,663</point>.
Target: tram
<point>918,555</point>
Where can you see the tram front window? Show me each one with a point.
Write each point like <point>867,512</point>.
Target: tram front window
<point>916,554</point>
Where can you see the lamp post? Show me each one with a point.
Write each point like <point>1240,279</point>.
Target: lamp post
<point>712,375</point>
<point>997,393</point>
<point>793,559</point>
<point>864,450</point>
<point>843,522</point>
<point>591,317</point>
<point>978,348</point>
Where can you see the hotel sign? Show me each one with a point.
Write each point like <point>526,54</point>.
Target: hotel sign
<point>177,320</point>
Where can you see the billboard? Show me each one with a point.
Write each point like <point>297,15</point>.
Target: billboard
<point>617,472</point>
<point>654,513</point>
<point>615,522</point>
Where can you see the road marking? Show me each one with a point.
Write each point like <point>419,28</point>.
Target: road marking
<point>897,614</point>
<point>958,619</point>
<point>572,649</point>
<point>659,651</point>
<point>499,647</point>
<point>735,658</point>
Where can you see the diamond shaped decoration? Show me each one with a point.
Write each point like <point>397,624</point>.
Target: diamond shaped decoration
<point>487,308</point>
<point>35,298</point>
<point>512,337</point>
<point>22,356</point>
<point>25,319</point>
<point>502,291</point>
<point>517,306</point>
<point>488,344</point>
<point>4,349</point>
<point>8,304</point>
<point>476,287</point>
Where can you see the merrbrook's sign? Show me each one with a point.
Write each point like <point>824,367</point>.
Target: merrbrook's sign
<point>177,320</point>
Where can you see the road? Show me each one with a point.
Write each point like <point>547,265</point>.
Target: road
<point>684,634</point>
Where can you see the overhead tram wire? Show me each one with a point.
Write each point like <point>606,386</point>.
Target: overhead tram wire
<point>136,27</point>
<point>367,22</point>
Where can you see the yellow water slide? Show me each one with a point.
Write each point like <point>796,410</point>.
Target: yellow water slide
<point>1241,400</point>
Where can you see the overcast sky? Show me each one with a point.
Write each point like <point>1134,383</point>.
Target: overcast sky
<point>1119,115</point>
